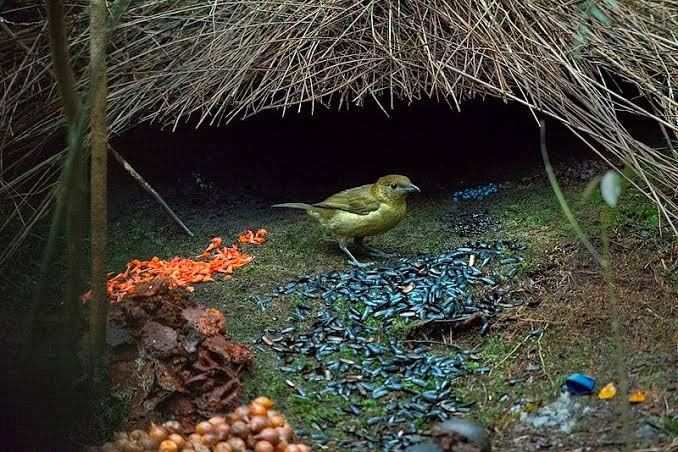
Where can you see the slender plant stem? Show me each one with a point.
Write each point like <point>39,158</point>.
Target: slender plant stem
<point>61,58</point>
<point>604,261</point>
<point>65,80</point>
<point>98,173</point>
<point>620,362</point>
<point>561,198</point>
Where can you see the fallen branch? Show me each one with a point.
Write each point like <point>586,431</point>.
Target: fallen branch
<point>132,172</point>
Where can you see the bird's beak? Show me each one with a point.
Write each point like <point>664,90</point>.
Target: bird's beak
<point>412,188</point>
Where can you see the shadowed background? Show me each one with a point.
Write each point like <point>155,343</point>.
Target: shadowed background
<point>308,156</point>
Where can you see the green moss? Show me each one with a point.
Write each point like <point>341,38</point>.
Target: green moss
<point>312,411</point>
<point>369,403</point>
<point>265,379</point>
<point>346,352</point>
<point>669,424</point>
<point>400,327</point>
<point>422,423</point>
<point>372,322</point>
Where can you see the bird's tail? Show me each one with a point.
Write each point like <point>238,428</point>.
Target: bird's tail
<point>294,205</point>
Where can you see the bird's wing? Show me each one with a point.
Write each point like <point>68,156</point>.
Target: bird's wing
<point>359,200</point>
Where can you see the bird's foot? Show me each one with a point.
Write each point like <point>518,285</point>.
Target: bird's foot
<point>378,253</point>
<point>373,251</point>
<point>355,263</point>
<point>351,259</point>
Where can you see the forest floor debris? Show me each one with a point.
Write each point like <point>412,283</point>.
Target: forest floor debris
<point>562,289</point>
<point>172,357</point>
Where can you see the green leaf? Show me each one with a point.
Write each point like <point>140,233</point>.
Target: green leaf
<point>611,187</point>
<point>584,6</point>
<point>612,4</point>
<point>599,14</point>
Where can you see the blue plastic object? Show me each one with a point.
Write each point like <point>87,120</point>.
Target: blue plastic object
<point>580,384</point>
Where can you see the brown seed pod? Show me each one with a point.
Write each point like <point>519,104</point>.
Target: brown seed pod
<point>270,435</point>
<point>240,429</point>
<point>282,445</point>
<point>148,443</point>
<point>237,444</point>
<point>258,423</point>
<point>120,435</point>
<point>135,435</point>
<point>168,446</point>
<point>203,427</point>
<point>223,447</point>
<point>250,442</point>
<point>264,401</point>
<point>222,431</point>
<point>304,448</point>
<point>293,448</point>
<point>263,446</point>
<point>157,433</point>
<point>197,447</point>
<point>242,413</point>
<point>178,439</point>
<point>257,409</point>
<point>217,420</point>
<point>194,438</point>
<point>122,443</point>
<point>209,439</point>
<point>134,446</point>
<point>277,420</point>
<point>285,433</point>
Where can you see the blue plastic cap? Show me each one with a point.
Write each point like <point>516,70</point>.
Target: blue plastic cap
<point>580,384</point>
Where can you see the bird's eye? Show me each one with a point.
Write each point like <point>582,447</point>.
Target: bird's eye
<point>394,186</point>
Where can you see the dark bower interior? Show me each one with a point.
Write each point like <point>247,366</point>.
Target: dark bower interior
<point>305,157</point>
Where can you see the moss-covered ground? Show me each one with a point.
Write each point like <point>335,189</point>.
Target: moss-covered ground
<point>570,307</point>
<point>568,304</point>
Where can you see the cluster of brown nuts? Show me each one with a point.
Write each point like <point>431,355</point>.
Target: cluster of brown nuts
<point>256,428</point>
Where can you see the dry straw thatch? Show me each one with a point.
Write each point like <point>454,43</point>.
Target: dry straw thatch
<point>220,59</point>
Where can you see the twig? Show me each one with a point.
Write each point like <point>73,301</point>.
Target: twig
<point>132,172</point>
<point>541,357</point>
<point>515,349</point>
<point>529,319</point>
<point>19,42</point>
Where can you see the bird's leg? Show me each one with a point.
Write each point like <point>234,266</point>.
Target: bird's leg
<point>352,260</point>
<point>360,241</point>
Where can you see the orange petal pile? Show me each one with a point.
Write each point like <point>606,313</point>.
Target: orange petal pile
<point>255,239</point>
<point>183,272</point>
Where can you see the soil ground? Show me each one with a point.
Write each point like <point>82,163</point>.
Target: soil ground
<point>566,297</point>
<point>567,294</point>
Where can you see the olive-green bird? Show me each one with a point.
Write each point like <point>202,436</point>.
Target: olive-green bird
<point>361,212</point>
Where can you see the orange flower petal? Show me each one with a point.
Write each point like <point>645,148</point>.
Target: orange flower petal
<point>608,392</point>
<point>638,396</point>
<point>182,271</point>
